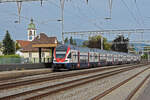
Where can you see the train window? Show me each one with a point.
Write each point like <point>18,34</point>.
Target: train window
<point>60,55</point>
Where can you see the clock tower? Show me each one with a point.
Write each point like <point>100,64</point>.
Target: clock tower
<point>31,31</point>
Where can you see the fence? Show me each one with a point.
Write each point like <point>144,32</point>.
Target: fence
<point>24,60</point>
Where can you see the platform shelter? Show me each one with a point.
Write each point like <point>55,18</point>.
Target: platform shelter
<point>42,41</point>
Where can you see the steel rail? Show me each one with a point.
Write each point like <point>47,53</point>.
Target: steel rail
<point>85,80</point>
<point>8,85</point>
<point>118,85</point>
<point>129,97</point>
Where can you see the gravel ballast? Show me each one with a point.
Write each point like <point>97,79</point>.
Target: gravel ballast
<point>90,90</point>
<point>20,89</point>
<point>22,73</point>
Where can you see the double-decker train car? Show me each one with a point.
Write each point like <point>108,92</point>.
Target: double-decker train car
<point>73,57</point>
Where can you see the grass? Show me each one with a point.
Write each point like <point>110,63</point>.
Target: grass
<point>10,56</point>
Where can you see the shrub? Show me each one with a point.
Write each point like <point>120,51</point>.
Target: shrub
<point>10,56</point>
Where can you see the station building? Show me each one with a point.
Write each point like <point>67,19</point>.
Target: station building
<point>37,48</point>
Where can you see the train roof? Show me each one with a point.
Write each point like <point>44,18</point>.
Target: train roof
<point>86,49</point>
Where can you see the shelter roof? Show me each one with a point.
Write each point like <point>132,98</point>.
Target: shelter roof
<point>42,40</point>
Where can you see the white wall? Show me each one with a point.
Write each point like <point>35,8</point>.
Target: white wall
<point>36,54</point>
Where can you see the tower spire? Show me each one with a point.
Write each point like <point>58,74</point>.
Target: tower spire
<point>31,30</point>
<point>31,20</point>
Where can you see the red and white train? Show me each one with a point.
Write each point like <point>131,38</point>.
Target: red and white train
<point>72,57</point>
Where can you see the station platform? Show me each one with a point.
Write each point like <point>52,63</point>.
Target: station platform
<point>22,73</point>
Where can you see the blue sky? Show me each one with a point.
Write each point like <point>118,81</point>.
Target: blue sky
<point>78,16</point>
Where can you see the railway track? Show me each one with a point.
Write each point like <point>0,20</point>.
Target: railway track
<point>99,96</point>
<point>45,91</point>
<point>129,97</point>
<point>19,82</point>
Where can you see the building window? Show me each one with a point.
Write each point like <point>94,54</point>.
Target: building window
<point>30,32</point>
<point>30,37</point>
<point>34,33</point>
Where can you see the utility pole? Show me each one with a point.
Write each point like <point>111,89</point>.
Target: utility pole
<point>62,18</point>
<point>148,55</point>
<point>19,9</point>
<point>102,42</point>
<point>110,8</point>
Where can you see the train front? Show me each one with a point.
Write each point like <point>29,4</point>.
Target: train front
<point>61,57</point>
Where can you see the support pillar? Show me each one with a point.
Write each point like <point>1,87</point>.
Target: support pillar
<point>52,54</point>
<point>40,55</point>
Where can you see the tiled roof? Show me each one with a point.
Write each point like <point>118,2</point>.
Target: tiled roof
<point>44,39</point>
<point>23,43</point>
<point>40,39</point>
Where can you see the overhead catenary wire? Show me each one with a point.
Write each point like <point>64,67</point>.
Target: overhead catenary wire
<point>141,17</point>
<point>78,14</point>
<point>131,13</point>
<point>67,11</point>
<point>95,24</point>
<point>86,17</point>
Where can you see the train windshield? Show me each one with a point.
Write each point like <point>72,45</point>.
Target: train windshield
<point>60,55</point>
<point>61,51</point>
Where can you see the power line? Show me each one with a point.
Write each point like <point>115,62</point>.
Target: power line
<point>131,12</point>
<point>65,10</point>
<point>78,14</point>
<point>136,5</point>
<point>79,10</point>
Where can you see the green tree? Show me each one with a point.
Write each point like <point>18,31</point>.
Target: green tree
<point>145,56</point>
<point>95,42</point>
<point>74,42</point>
<point>120,44</point>
<point>85,43</point>
<point>8,45</point>
<point>66,40</point>
<point>71,40</point>
<point>0,44</point>
<point>107,46</point>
